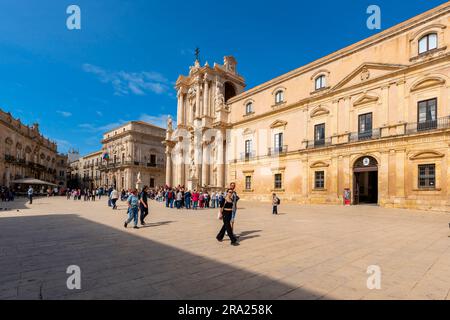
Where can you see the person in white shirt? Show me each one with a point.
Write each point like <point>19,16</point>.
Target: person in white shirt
<point>114,198</point>
<point>30,194</point>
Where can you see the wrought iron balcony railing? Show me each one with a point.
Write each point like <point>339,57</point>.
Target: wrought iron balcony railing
<point>318,143</point>
<point>246,156</point>
<point>9,158</point>
<point>417,127</point>
<point>277,150</point>
<point>366,135</point>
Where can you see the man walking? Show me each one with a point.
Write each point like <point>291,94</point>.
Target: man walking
<point>143,204</point>
<point>30,194</point>
<point>133,202</point>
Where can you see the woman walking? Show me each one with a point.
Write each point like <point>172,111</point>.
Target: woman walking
<point>226,209</point>
<point>133,203</point>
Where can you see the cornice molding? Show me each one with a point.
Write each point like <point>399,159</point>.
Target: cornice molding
<point>409,24</point>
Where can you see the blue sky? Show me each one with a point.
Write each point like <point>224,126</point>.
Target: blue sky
<point>123,63</point>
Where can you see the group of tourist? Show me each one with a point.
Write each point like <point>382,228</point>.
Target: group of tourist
<point>173,197</point>
<point>86,194</point>
<point>6,194</point>
<point>180,198</point>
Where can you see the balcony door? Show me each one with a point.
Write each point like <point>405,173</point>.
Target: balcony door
<point>278,142</point>
<point>319,134</point>
<point>427,115</point>
<point>248,148</point>
<point>365,126</point>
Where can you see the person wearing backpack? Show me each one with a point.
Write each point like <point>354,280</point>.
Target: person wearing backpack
<point>275,203</point>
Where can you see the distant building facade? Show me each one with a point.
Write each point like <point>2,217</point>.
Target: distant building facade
<point>131,150</point>
<point>85,173</point>
<point>26,153</point>
<point>370,123</point>
<point>134,150</point>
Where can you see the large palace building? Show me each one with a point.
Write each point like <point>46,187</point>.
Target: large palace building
<point>132,154</point>
<point>370,121</point>
<point>136,155</point>
<point>26,153</point>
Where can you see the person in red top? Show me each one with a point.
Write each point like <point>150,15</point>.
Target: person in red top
<point>201,200</point>
<point>195,197</point>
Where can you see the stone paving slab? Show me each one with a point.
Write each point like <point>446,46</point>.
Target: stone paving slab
<point>306,252</point>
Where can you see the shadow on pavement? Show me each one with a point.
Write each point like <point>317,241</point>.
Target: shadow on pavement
<point>36,251</point>
<point>19,203</point>
<point>156,224</point>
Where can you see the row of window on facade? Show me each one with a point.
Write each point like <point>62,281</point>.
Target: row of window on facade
<point>426,120</point>
<point>426,43</point>
<point>426,179</point>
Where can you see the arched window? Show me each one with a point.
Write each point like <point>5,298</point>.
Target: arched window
<point>249,108</point>
<point>279,96</point>
<point>320,82</point>
<point>230,91</point>
<point>428,42</point>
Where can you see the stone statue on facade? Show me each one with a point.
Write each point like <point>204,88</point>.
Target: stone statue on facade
<point>219,100</point>
<point>169,123</point>
<point>193,171</point>
<point>138,181</point>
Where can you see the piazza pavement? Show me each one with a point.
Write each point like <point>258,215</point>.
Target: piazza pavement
<point>306,252</point>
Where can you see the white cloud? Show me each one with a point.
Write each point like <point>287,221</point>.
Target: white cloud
<point>63,145</point>
<point>104,128</point>
<point>160,120</point>
<point>65,114</point>
<point>137,83</point>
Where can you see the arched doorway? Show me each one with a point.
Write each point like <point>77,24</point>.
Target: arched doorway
<point>365,181</point>
<point>230,91</point>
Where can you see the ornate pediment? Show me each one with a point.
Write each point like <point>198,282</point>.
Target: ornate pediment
<point>319,111</point>
<point>278,123</point>
<point>427,154</point>
<point>427,83</point>
<point>365,99</point>
<point>248,131</point>
<point>8,141</point>
<point>365,72</point>
<point>319,164</point>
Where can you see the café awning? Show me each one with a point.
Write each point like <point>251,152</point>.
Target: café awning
<point>31,181</point>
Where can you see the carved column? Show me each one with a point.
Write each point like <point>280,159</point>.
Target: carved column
<point>181,175</point>
<point>179,107</point>
<point>197,99</point>
<point>220,159</point>
<point>205,165</point>
<point>183,109</point>
<point>198,154</point>
<point>206,97</point>
<point>168,166</point>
